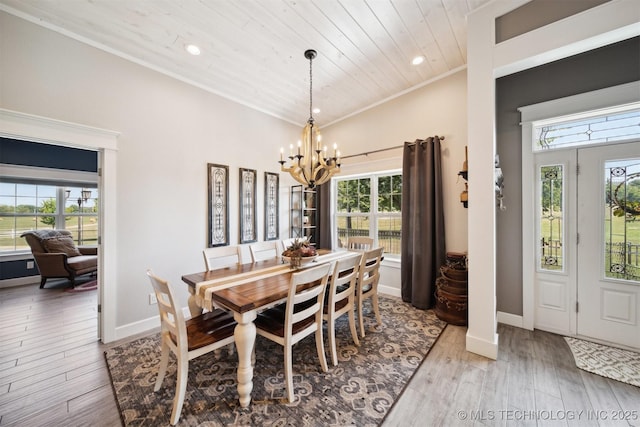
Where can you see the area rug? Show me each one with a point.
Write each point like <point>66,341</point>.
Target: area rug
<point>89,286</point>
<point>359,391</point>
<point>610,362</point>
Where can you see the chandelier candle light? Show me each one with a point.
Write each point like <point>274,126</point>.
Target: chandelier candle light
<point>312,165</point>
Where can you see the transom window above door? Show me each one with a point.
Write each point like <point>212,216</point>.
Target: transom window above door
<point>615,124</point>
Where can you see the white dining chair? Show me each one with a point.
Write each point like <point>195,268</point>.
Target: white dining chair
<point>285,243</point>
<point>367,287</point>
<point>186,339</point>
<point>359,243</point>
<point>261,251</point>
<point>340,299</point>
<point>221,257</point>
<point>301,317</point>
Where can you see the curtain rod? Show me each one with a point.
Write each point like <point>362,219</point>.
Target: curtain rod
<point>387,149</point>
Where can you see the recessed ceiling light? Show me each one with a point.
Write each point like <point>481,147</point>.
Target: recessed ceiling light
<point>316,110</point>
<point>417,60</point>
<point>192,49</point>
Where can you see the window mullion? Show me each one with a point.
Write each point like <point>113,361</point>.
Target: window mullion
<point>60,207</point>
<point>373,212</point>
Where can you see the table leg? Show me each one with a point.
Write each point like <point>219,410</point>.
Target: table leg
<point>245,336</point>
<point>194,308</point>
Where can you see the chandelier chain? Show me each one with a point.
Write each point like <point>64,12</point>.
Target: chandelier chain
<point>311,89</point>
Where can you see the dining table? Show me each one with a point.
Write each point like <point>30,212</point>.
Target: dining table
<point>245,290</point>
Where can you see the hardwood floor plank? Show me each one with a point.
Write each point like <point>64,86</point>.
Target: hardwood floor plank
<point>404,410</point>
<point>549,410</point>
<point>52,396</point>
<point>602,399</point>
<point>544,377</point>
<point>34,343</point>
<point>469,388</point>
<point>628,397</point>
<point>36,373</point>
<point>576,404</point>
<point>40,417</point>
<point>495,394</point>
<point>33,353</point>
<point>7,365</point>
<point>521,393</point>
<point>25,366</point>
<point>33,359</point>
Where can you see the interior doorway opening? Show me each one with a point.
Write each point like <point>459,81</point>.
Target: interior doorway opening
<point>44,130</point>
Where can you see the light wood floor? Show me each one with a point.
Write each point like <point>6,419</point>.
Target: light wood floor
<point>53,373</point>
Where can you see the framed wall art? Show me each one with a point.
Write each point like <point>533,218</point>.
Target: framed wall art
<point>248,223</point>
<point>218,203</point>
<point>271,205</point>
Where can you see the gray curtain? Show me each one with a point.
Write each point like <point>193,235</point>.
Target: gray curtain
<point>423,244</point>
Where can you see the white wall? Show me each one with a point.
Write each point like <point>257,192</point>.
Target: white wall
<point>169,131</point>
<point>439,108</point>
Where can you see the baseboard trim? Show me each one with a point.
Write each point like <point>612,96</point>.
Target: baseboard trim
<point>138,327</point>
<point>19,281</point>
<point>388,290</point>
<point>483,347</point>
<point>510,319</point>
<point>143,326</point>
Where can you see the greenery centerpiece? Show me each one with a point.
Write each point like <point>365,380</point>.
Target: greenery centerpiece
<point>301,251</point>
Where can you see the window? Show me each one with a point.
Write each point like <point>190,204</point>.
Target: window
<point>594,127</point>
<point>29,206</point>
<point>369,205</point>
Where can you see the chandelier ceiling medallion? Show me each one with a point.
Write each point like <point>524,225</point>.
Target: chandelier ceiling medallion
<point>312,165</point>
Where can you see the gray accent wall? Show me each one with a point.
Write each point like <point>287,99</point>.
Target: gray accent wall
<point>538,13</point>
<point>601,68</point>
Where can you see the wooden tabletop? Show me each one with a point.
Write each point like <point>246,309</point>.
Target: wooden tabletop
<point>256,294</point>
<point>259,284</point>
<point>232,271</point>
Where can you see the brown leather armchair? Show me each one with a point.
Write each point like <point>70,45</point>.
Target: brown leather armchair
<point>56,255</point>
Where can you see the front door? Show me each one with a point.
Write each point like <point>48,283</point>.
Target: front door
<point>608,256</point>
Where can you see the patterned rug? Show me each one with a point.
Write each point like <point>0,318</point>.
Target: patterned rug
<point>359,391</point>
<point>610,362</point>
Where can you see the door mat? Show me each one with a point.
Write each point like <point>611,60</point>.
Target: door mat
<point>610,362</point>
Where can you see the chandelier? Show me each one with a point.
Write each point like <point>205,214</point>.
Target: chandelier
<point>312,165</point>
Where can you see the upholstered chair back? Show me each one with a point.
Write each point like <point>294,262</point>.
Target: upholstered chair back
<point>35,237</point>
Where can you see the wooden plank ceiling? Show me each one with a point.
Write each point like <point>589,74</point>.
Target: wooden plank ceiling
<point>252,50</point>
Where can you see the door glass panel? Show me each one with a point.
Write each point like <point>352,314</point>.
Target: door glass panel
<point>616,124</point>
<point>622,219</point>
<point>551,251</point>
